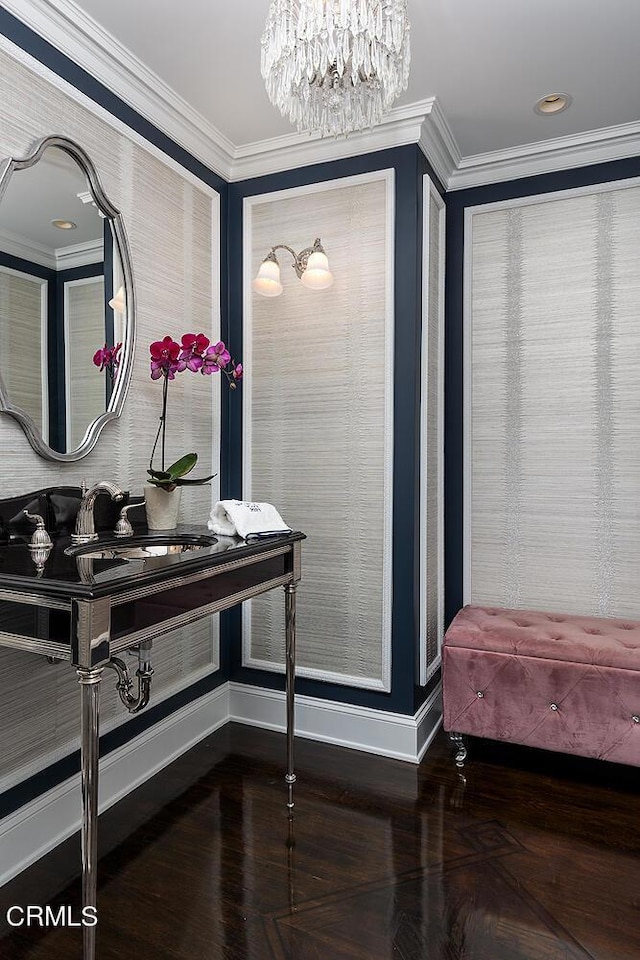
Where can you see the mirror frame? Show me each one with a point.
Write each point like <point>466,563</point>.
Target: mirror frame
<point>116,403</point>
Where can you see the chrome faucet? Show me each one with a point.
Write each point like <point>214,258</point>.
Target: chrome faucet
<point>85,524</point>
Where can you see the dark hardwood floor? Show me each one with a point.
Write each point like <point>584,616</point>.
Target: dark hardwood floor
<point>534,857</point>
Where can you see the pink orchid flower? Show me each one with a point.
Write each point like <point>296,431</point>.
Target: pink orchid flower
<point>216,358</point>
<point>236,375</point>
<point>107,358</point>
<point>165,359</point>
<point>168,357</point>
<point>193,347</point>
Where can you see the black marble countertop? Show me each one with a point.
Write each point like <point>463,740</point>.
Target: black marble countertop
<point>69,573</point>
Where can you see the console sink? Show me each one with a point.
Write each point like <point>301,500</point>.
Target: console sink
<point>141,547</point>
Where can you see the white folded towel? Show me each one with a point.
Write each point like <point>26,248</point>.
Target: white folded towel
<point>243,518</point>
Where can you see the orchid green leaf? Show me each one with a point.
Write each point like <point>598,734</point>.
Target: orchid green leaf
<point>185,483</point>
<point>165,484</point>
<point>182,466</point>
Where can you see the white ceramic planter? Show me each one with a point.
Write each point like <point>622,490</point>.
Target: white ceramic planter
<point>162,507</point>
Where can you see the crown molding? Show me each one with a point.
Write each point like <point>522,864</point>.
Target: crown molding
<point>77,35</point>
<point>438,143</point>
<point>62,258</point>
<point>403,126</point>
<point>79,254</point>
<point>547,156</point>
<point>83,40</point>
<point>22,247</point>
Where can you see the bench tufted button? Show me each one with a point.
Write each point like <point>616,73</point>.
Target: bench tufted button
<point>554,706</point>
<point>479,694</point>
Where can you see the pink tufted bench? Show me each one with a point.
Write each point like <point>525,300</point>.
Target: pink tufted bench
<point>548,680</point>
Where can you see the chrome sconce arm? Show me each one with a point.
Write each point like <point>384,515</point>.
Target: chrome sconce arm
<point>300,260</point>
<point>311,266</point>
<point>144,673</point>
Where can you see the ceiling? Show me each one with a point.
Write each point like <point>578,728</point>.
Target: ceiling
<point>55,188</point>
<point>485,61</point>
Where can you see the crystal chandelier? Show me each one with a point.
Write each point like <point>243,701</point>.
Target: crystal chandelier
<point>335,66</point>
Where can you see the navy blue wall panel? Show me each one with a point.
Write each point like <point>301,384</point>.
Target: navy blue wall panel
<point>409,165</point>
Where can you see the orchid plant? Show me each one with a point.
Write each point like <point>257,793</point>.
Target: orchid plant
<point>196,354</point>
<point>108,358</point>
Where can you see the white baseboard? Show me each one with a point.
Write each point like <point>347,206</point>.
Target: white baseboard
<point>359,728</point>
<point>39,826</point>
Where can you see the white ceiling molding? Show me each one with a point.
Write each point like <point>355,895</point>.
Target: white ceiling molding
<point>84,41</point>
<point>438,143</point>
<point>18,246</point>
<point>79,255</point>
<point>62,258</point>
<point>46,73</point>
<point>404,126</point>
<point>72,31</point>
<point>547,156</point>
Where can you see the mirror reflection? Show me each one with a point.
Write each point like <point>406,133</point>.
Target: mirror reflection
<point>62,298</point>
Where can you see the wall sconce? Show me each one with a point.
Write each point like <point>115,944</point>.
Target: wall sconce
<point>118,303</point>
<point>311,266</point>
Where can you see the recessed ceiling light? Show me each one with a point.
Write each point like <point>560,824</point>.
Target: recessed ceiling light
<point>64,224</point>
<point>553,103</point>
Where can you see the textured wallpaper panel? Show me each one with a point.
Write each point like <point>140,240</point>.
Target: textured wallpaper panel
<point>318,436</point>
<point>169,222</point>
<point>21,323</point>
<point>555,443</point>
<point>86,396</point>
<point>41,700</point>
<point>432,439</point>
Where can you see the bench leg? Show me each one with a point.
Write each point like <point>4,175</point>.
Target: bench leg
<point>461,750</point>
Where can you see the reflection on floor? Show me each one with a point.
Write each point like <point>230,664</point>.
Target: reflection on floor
<point>533,857</point>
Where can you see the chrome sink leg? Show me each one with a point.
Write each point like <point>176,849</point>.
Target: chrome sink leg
<point>290,626</point>
<point>89,679</point>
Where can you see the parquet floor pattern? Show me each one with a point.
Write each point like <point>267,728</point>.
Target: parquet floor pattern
<point>532,856</point>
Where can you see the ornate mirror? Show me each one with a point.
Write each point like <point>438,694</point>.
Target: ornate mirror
<point>66,292</point>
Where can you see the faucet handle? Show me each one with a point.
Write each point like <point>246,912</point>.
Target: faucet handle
<point>39,537</point>
<point>123,527</point>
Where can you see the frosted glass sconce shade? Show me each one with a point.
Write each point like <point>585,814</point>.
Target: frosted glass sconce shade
<point>118,302</point>
<point>311,266</point>
<point>267,283</point>
<point>317,276</point>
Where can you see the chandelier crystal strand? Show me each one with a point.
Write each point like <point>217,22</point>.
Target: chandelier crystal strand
<point>335,66</point>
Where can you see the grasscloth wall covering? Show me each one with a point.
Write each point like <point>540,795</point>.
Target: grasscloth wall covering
<point>553,413</point>
<point>432,435</point>
<point>21,322</point>
<point>170,221</point>
<point>85,392</point>
<point>318,424</point>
